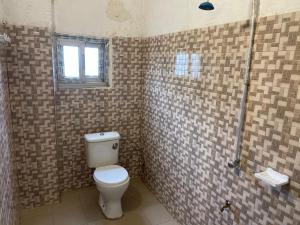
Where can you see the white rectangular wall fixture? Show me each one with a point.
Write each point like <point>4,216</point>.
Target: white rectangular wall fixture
<point>272,178</point>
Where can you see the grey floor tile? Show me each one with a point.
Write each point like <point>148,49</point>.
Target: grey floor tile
<point>80,207</point>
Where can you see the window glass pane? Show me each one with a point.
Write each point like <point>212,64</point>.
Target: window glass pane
<point>91,61</point>
<point>71,62</point>
<point>196,65</point>
<point>181,67</point>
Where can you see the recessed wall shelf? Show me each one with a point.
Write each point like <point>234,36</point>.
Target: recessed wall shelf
<point>272,177</point>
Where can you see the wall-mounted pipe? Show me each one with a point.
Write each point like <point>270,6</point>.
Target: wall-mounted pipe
<point>236,163</point>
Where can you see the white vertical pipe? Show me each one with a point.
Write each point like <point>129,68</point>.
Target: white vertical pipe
<point>254,14</point>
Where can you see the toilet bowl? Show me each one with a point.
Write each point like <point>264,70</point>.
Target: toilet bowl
<point>111,181</point>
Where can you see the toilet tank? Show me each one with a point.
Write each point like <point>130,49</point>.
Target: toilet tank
<point>102,149</point>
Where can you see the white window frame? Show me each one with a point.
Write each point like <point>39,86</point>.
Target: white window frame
<point>84,81</point>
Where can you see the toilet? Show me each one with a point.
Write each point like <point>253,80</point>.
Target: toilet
<point>112,180</point>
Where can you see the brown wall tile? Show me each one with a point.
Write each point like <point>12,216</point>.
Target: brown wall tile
<point>8,177</point>
<point>189,125</point>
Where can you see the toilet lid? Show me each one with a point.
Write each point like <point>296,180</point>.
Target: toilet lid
<point>110,175</point>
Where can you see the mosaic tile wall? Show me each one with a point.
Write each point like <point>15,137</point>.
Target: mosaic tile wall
<point>49,127</point>
<point>32,104</point>
<point>189,125</point>
<point>81,111</point>
<point>8,181</point>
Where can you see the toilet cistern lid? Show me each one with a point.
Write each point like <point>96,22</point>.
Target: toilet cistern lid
<point>102,136</point>
<point>110,175</point>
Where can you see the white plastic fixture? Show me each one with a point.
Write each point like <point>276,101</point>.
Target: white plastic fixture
<point>102,149</point>
<point>111,175</point>
<point>272,177</point>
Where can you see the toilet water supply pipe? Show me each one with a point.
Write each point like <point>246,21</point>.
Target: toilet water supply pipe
<point>236,163</point>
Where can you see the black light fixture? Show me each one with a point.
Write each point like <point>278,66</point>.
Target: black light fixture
<point>206,6</point>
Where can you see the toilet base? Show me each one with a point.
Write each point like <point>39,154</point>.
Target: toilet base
<point>112,209</point>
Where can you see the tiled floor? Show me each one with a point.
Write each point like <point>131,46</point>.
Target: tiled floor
<point>80,208</point>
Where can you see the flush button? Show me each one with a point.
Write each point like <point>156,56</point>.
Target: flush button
<point>115,146</point>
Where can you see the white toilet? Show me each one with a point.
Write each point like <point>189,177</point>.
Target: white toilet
<point>102,150</point>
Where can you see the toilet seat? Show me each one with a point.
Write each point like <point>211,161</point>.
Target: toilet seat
<point>110,175</point>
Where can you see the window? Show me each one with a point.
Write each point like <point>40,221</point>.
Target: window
<point>188,64</point>
<point>181,65</point>
<point>81,62</point>
<point>71,61</point>
<point>196,65</point>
